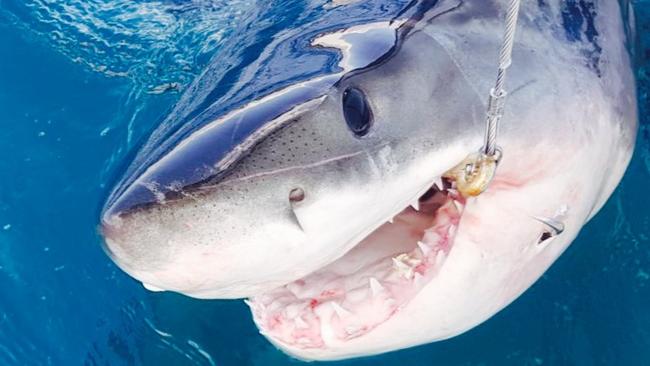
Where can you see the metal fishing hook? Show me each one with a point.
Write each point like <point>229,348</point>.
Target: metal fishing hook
<point>474,174</point>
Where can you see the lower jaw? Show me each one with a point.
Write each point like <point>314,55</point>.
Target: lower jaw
<point>369,284</point>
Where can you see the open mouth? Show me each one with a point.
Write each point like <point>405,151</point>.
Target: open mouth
<point>371,283</point>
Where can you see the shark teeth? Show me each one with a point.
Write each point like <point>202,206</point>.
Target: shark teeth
<point>340,310</point>
<point>416,205</point>
<point>459,206</point>
<point>375,287</point>
<point>438,183</point>
<point>400,265</point>
<point>317,309</point>
<point>424,248</point>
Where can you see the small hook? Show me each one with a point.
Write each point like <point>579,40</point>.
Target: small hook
<point>556,228</point>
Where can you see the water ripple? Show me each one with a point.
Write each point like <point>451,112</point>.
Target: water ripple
<point>161,44</point>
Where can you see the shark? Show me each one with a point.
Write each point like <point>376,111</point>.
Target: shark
<point>330,201</point>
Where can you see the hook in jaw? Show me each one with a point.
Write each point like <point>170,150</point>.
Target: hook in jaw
<point>474,174</point>
<point>554,228</point>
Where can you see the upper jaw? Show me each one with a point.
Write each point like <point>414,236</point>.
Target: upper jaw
<point>160,267</point>
<point>154,273</point>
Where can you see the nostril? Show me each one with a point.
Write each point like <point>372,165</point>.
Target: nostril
<point>111,229</point>
<point>116,242</point>
<point>107,230</point>
<point>296,195</point>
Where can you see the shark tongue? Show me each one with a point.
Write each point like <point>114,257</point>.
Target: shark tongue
<point>364,288</point>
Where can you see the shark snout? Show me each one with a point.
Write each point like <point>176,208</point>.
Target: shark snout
<point>158,259</point>
<point>133,256</point>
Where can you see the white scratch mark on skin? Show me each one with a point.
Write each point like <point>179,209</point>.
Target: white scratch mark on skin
<point>304,166</point>
<point>462,72</point>
<point>295,167</point>
<point>373,165</point>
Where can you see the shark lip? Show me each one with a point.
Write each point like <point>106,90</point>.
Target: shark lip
<point>370,283</point>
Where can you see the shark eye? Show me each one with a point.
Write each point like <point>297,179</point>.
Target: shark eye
<point>356,111</point>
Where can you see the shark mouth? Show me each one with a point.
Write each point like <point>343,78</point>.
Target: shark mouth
<point>369,284</point>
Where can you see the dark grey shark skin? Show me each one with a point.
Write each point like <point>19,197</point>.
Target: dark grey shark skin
<point>208,213</point>
<point>200,163</point>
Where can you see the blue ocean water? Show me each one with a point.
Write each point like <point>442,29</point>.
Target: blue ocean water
<point>83,82</point>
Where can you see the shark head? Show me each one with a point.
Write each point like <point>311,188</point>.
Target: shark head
<point>330,202</point>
